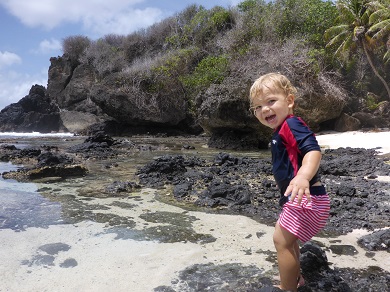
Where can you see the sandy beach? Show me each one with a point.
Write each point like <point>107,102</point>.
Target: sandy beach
<point>87,257</point>
<point>356,139</point>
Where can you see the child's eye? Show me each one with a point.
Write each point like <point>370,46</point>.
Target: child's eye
<point>271,101</point>
<point>255,109</point>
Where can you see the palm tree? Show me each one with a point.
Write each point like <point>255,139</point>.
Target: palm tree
<point>380,24</point>
<point>355,30</point>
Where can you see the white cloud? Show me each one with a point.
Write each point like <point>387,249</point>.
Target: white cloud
<point>125,22</point>
<point>100,16</point>
<point>235,2</point>
<point>14,86</point>
<point>47,46</point>
<point>7,59</point>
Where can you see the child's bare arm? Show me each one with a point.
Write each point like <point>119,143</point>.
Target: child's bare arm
<point>299,185</point>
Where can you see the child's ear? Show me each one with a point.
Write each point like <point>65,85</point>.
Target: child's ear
<point>290,100</point>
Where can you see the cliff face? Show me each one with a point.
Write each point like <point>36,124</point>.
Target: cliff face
<point>76,100</point>
<point>78,90</point>
<point>129,106</point>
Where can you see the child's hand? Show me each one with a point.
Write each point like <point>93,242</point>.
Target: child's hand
<point>298,186</point>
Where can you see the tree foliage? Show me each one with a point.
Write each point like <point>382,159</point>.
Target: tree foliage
<point>379,22</point>
<point>304,17</point>
<point>355,29</point>
<point>187,52</point>
<point>74,47</point>
<point>104,57</point>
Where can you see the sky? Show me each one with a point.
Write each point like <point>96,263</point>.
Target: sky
<point>32,32</point>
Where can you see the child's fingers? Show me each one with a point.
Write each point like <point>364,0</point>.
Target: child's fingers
<point>308,196</point>
<point>299,193</point>
<point>288,191</point>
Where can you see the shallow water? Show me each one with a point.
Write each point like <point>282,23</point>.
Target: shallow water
<point>41,204</point>
<point>23,206</point>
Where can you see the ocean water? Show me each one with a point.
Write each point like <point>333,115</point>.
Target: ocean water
<point>42,203</point>
<point>22,204</point>
<point>5,135</point>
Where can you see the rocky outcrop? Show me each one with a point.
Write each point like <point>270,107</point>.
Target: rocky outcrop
<point>320,100</point>
<point>224,111</point>
<point>34,112</point>
<point>347,123</point>
<point>69,87</point>
<point>80,101</point>
<point>224,114</point>
<point>77,122</point>
<point>89,102</point>
<point>49,166</point>
<point>130,106</point>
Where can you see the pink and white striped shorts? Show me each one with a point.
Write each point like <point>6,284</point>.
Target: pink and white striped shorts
<point>307,219</point>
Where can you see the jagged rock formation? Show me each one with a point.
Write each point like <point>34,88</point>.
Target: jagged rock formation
<point>34,112</point>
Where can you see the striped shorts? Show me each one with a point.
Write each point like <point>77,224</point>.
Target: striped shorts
<point>307,219</point>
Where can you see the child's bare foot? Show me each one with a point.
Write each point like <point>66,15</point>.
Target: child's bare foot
<point>300,281</point>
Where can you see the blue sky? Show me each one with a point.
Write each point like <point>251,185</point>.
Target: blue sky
<point>32,32</point>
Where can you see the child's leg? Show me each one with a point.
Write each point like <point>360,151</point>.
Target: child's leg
<point>288,260</point>
<point>300,280</point>
<point>297,250</point>
<point>297,255</point>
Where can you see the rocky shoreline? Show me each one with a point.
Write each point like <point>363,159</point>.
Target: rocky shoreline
<point>237,184</point>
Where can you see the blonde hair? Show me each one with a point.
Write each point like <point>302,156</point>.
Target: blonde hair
<point>273,82</point>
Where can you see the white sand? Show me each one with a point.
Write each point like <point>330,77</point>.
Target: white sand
<point>108,264</point>
<point>356,139</point>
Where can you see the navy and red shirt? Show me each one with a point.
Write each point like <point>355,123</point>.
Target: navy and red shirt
<point>290,143</point>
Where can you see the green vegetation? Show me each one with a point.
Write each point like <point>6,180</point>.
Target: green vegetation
<point>186,53</point>
<point>209,70</point>
<point>354,29</point>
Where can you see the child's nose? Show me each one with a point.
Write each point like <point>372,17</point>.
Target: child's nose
<point>265,109</point>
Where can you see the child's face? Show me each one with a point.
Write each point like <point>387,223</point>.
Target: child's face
<point>272,107</point>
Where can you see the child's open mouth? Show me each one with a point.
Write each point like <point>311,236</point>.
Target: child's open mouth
<point>270,119</point>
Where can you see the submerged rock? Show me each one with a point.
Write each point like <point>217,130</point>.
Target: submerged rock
<point>59,171</point>
<point>42,165</point>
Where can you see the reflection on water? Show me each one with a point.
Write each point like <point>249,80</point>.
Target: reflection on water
<point>74,200</point>
<point>22,206</point>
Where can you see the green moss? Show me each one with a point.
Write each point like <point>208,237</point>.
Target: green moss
<point>209,70</point>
